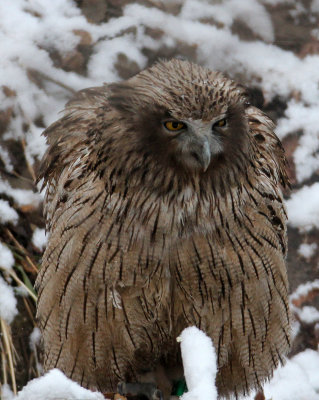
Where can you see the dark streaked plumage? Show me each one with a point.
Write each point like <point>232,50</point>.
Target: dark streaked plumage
<point>154,229</point>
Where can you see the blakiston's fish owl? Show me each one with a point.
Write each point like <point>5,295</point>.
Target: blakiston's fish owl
<point>164,210</point>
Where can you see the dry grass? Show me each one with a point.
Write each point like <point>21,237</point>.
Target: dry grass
<point>8,354</point>
<point>18,359</point>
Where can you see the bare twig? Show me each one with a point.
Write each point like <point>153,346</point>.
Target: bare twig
<point>38,74</point>
<point>31,314</point>
<point>19,281</point>
<point>23,250</point>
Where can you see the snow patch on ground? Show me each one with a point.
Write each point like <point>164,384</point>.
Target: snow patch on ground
<point>55,385</point>
<point>6,393</point>
<point>297,380</point>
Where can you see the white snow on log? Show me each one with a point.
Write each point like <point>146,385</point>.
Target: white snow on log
<point>199,362</point>
<point>55,385</point>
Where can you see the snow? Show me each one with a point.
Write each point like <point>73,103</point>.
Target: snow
<point>20,196</point>
<point>302,117</point>
<point>39,238</point>
<point>6,393</point>
<point>295,329</point>
<point>6,159</point>
<point>7,213</point>
<point>308,314</point>
<point>304,289</point>
<point>8,302</point>
<point>6,257</point>
<point>307,250</point>
<point>303,210</point>
<point>275,2</point>
<point>35,338</point>
<point>296,380</point>
<point>249,11</point>
<point>34,342</point>
<point>304,293</point>
<point>55,385</point>
<point>199,362</point>
<point>35,144</point>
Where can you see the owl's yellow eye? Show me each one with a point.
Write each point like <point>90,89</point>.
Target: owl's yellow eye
<point>221,123</point>
<point>174,125</point>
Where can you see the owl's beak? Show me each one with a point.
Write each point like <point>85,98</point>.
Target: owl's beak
<point>205,156</point>
<point>202,154</point>
<point>199,145</point>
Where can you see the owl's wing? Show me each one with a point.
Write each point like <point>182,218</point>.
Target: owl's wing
<point>270,147</point>
<point>67,141</point>
<point>97,263</point>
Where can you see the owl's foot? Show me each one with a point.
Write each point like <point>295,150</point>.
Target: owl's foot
<point>147,391</point>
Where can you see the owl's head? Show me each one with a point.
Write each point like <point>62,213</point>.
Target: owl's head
<point>183,114</point>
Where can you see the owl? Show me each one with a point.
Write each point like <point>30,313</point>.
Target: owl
<point>164,210</point>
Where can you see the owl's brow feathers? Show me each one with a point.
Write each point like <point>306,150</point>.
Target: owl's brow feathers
<point>144,108</point>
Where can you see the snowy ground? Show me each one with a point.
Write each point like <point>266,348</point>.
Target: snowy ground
<point>49,49</point>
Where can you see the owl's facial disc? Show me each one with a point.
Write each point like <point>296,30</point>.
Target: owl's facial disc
<point>197,142</point>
